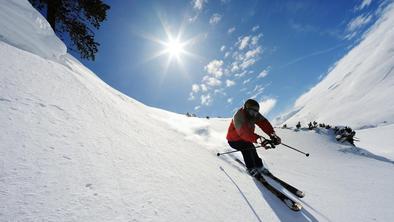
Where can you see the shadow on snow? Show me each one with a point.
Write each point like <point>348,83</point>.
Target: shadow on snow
<point>282,212</point>
<point>362,152</point>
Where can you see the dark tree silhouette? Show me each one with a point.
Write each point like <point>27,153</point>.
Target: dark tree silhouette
<point>298,125</point>
<point>75,18</point>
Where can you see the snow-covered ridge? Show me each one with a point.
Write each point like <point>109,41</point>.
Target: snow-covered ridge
<point>24,27</point>
<point>358,89</point>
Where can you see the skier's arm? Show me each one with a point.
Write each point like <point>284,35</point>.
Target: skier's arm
<point>265,125</point>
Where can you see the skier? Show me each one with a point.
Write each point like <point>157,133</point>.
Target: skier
<point>241,136</point>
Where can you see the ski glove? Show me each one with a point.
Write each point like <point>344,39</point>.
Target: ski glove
<point>275,139</point>
<point>265,143</point>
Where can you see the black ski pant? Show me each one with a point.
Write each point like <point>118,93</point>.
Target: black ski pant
<point>249,153</point>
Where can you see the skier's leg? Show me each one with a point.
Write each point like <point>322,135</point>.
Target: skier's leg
<point>257,162</point>
<point>251,159</point>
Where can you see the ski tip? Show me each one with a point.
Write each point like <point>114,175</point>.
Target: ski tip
<point>293,205</point>
<point>300,194</point>
<point>296,206</point>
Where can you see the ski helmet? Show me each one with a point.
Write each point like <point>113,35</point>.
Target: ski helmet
<point>252,104</point>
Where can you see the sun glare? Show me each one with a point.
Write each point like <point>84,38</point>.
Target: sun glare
<point>174,48</point>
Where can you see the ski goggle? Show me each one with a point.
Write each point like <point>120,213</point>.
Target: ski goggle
<point>252,112</point>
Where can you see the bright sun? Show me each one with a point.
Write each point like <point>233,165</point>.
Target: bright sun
<point>174,48</point>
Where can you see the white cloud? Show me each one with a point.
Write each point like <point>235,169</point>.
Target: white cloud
<point>231,30</point>
<point>255,39</point>
<point>198,4</point>
<point>247,81</point>
<point>244,42</point>
<point>211,81</point>
<point>364,3</point>
<point>253,53</point>
<point>230,100</point>
<point>204,88</point>
<point>248,41</point>
<point>267,105</point>
<point>234,67</point>
<point>350,35</point>
<point>215,68</point>
<point>258,89</point>
<point>246,63</point>
<point>191,96</point>
<point>235,54</point>
<point>240,56</point>
<point>242,59</point>
<point>263,74</point>
<point>255,28</point>
<point>215,18</point>
<point>358,22</point>
<point>239,75</point>
<point>229,83</point>
<point>195,88</point>
<point>206,100</point>
<point>194,18</point>
<point>226,72</point>
<point>220,91</point>
<point>197,107</point>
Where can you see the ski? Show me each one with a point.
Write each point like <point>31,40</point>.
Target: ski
<point>293,205</point>
<point>285,185</point>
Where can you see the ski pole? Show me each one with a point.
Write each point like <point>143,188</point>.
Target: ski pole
<point>306,154</point>
<point>256,147</point>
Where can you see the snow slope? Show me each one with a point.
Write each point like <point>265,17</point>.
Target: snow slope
<point>74,149</point>
<point>357,91</point>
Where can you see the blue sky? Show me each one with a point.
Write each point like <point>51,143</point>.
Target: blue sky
<point>273,51</point>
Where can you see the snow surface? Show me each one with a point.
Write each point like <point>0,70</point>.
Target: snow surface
<point>357,91</point>
<point>74,149</point>
<point>377,140</point>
